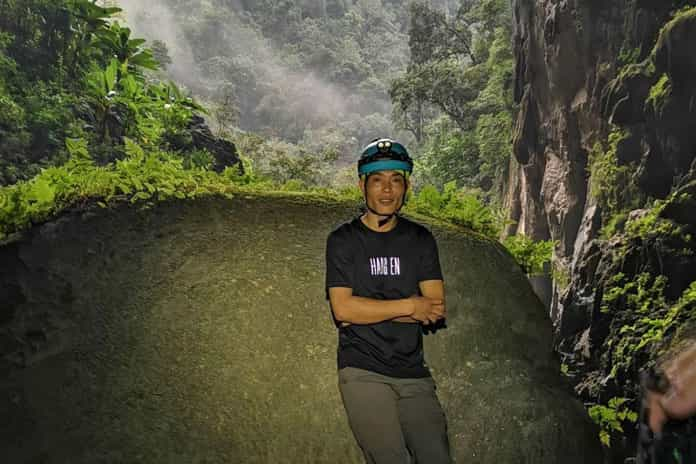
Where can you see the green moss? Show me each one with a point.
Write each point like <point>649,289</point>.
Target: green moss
<point>628,55</point>
<point>614,225</point>
<point>651,225</point>
<point>659,96</point>
<point>610,183</point>
<point>617,89</point>
<point>644,68</point>
<point>687,13</point>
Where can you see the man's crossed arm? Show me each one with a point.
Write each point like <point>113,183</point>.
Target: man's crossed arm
<point>434,289</point>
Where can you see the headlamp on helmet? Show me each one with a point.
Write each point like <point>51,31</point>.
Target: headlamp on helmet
<point>383,155</point>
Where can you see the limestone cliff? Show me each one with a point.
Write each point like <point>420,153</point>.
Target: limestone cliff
<point>604,147</point>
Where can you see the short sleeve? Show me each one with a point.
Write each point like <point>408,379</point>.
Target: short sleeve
<point>429,268</point>
<point>339,263</point>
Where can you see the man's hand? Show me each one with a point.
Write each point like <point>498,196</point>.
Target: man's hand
<point>679,401</point>
<point>427,310</point>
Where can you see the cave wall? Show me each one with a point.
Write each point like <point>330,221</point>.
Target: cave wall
<point>594,78</point>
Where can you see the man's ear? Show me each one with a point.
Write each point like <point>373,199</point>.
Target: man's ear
<point>361,184</point>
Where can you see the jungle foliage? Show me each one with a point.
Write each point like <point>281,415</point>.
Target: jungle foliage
<point>86,116</point>
<point>456,95</point>
<point>67,70</point>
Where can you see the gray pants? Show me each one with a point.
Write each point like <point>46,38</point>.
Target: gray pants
<point>394,420</point>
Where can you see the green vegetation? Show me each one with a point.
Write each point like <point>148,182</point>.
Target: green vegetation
<point>610,417</point>
<point>652,226</point>
<point>531,255</point>
<point>646,320</point>
<point>628,55</point>
<point>611,182</point>
<point>685,14</point>
<point>68,70</point>
<point>295,71</point>
<point>85,117</point>
<point>614,225</point>
<point>643,323</point>
<point>456,95</point>
<point>659,95</point>
<point>140,176</point>
<point>308,73</point>
<point>148,176</point>
<point>642,316</point>
<point>457,206</point>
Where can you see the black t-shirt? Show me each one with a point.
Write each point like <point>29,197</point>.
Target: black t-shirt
<point>383,266</point>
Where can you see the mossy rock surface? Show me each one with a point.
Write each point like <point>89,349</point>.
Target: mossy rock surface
<point>673,51</point>
<point>199,332</point>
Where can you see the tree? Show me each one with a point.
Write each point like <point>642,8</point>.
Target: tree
<point>461,66</point>
<point>226,111</point>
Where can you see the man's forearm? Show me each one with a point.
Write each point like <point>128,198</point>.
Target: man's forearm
<point>362,310</point>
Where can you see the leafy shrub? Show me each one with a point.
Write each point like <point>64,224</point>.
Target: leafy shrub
<point>610,417</point>
<point>530,254</point>
<point>458,206</point>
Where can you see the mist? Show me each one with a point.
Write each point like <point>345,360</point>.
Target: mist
<point>315,102</point>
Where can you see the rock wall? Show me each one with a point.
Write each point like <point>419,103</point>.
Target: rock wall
<point>606,129</point>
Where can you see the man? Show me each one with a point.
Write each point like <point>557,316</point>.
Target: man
<point>384,282</point>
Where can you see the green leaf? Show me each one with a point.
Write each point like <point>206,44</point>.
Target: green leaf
<point>110,75</point>
<point>124,188</point>
<point>140,196</point>
<point>133,150</point>
<point>41,192</point>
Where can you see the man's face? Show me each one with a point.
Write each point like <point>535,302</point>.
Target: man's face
<point>384,191</point>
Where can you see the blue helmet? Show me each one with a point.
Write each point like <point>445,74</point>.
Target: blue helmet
<point>382,155</point>
<point>385,155</point>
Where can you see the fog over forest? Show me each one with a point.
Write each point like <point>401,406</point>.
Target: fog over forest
<point>277,95</point>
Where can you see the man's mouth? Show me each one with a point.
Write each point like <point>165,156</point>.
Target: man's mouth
<point>386,202</point>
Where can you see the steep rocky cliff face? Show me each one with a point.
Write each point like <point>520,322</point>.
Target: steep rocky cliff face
<point>604,149</point>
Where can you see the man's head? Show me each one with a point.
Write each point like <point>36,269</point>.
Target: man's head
<point>384,191</point>
<point>384,169</point>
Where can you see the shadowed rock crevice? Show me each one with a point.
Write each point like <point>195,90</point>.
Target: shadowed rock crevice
<point>199,332</point>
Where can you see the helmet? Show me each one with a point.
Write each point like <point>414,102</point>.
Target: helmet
<point>382,155</point>
<point>385,154</point>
